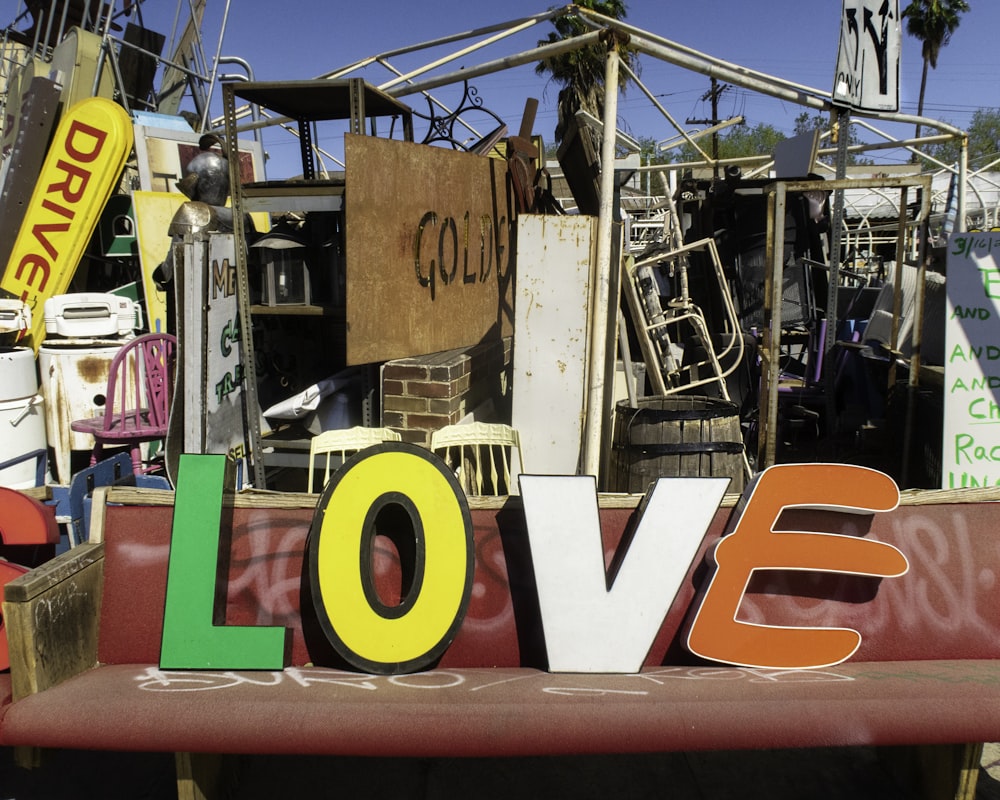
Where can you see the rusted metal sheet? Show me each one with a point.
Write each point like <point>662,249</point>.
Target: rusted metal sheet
<point>550,360</point>
<point>430,264</point>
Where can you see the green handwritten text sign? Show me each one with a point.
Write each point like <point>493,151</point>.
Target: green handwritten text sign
<point>971,448</point>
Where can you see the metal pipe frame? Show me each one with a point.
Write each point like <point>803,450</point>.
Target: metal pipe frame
<point>595,417</point>
<point>421,82</point>
<point>775,257</point>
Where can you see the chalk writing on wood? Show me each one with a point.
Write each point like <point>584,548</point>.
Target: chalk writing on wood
<point>971,446</point>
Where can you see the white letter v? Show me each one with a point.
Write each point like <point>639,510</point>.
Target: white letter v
<point>590,626</point>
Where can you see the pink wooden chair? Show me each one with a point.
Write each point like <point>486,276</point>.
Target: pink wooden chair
<point>137,402</point>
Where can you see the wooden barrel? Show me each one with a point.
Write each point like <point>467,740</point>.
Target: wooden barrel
<point>675,436</point>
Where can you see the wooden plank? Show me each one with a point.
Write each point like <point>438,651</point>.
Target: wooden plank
<point>971,758</point>
<point>292,311</point>
<point>203,776</point>
<point>936,772</point>
<point>254,498</point>
<point>51,615</point>
<point>131,496</point>
<point>50,574</point>
<point>98,505</point>
<point>433,269</point>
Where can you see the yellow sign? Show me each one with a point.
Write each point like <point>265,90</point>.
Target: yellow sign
<point>82,168</point>
<point>154,212</point>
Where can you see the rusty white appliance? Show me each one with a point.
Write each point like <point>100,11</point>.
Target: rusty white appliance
<point>22,416</point>
<point>89,315</point>
<point>83,332</point>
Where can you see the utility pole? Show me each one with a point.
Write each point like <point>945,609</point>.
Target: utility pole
<point>712,95</point>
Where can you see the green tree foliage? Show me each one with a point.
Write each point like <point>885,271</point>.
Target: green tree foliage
<point>580,72</point>
<point>984,140</point>
<point>932,22</point>
<point>737,142</point>
<point>806,123</point>
<point>648,152</point>
<point>743,140</point>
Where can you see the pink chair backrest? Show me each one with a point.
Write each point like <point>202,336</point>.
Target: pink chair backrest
<point>140,384</point>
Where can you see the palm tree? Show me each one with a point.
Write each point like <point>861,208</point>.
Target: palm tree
<point>932,22</point>
<point>581,71</point>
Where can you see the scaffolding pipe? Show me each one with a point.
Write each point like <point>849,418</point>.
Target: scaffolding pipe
<point>457,37</point>
<point>963,177</point>
<point>449,58</point>
<point>600,308</point>
<point>488,68</point>
<point>202,125</point>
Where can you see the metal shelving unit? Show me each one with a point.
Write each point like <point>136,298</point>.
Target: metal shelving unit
<point>304,103</point>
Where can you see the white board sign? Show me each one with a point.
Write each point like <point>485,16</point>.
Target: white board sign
<point>867,76</point>
<point>971,447</point>
<point>214,420</point>
<point>551,317</point>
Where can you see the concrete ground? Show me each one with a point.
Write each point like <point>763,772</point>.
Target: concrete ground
<point>824,774</point>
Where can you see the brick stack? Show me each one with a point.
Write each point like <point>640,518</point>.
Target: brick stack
<point>424,393</point>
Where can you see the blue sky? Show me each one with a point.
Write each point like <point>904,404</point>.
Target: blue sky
<point>792,39</point>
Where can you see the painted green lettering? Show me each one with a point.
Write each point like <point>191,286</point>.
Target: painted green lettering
<point>191,640</point>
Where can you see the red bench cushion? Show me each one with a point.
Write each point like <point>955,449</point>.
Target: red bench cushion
<point>945,607</point>
<point>512,712</point>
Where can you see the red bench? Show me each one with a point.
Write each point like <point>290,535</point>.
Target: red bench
<point>86,630</point>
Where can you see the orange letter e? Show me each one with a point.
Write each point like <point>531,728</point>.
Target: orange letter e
<point>753,544</point>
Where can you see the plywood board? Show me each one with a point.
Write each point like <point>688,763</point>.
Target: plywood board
<point>429,262</point>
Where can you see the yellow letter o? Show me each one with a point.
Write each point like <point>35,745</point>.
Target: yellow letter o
<point>367,634</point>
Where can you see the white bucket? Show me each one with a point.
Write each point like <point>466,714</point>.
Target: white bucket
<point>18,376</point>
<point>22,430</point>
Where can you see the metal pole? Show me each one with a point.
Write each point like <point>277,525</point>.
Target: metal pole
<point>913,381</point>
<point>511,27</point>
<point>963,178</point>
<point>767,422</point>
<point>251,406</point>
<point>600,314</point>
<point>841,125</point>
<point>215,69</point>
<point>488,68</point>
